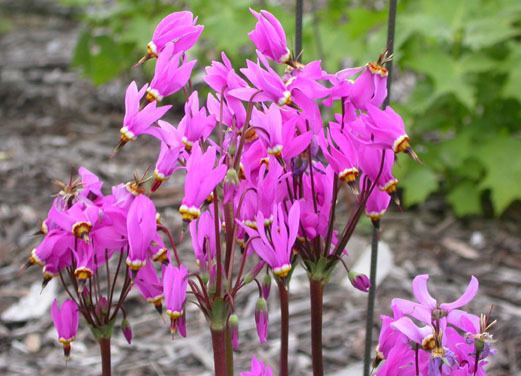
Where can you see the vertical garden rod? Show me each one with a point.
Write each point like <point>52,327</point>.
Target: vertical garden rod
<point>391,24</point>
<point>299,9</point>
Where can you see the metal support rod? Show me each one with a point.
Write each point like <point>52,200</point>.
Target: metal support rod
<point>299,10</point>
<point>371,301</point>
<point>391,25</point>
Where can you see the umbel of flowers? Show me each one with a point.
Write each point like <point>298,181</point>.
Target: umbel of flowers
<point>264,157</point>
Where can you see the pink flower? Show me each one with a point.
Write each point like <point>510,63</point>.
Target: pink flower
<point>388,128</point>
<point>426,305</point>
<point>78,219</point>
<point>138,121</point>
<point>141,227</point>
<point>179,28</point>
<point>175,281</point>
<point>90,185</point>
<point>280,137</point>
<point>196,124</point>
<point>66,321</point>
<point>276,247</point>
<point>169,75</point>
<point>370,159</point>
<point>370,87</point>
<point>257,369</point>
<point>201,179</point>
<point>340,152</point>
<point>202,232</point>
<point>269,37</point>
<point>166,164</point>
<point>377,204</point>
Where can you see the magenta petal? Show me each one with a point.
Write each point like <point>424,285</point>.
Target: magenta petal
<point>421,292</point>
<point>415,310</point>
<point>407,327</point>
<point>464,299</point>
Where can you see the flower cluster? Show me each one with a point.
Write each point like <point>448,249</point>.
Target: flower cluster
<point>263,166</point>
<point>431,338</point>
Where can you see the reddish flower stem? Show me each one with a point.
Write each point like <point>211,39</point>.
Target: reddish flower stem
<point>316,293</point>
<point>104,346</point>
<point>284,327</point>
<point>219,351</point>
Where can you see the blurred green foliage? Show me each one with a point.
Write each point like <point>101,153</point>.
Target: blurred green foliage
<point>464,111</point>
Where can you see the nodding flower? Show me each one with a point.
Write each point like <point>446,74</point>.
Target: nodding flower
<point>166,164</point>
<point>138,120</point>
<point>275,246</point>
<point>387,128</point>
<point>142,229</point>
<point>178,28</point>
<point>340,152</point>
<point>78,219</point>
<point>370,87</point>
<point>370,163</point>
<point>66,321</point>
<point>170,75</point>
<point>196,124</point>
<point>202,232</point>
<point>175,281</point>
<point>201,179</point>
<point>279,133</point>
<point>376,204</point>
<point>269,37</point>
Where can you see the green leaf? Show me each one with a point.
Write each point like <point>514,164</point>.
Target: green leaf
<point>418,182</point>
<point>465,199</point>
<point>510,66</point>
<point>500,156</point>
<point>449,75</point>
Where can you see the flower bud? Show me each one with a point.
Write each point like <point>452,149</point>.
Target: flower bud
<point>127,330</point>
<point>359,281</point>
<point>102,308</point>
<point>261,319</point>
<point>231,177</point>
<point>233,323</point>
<point>266,286</point>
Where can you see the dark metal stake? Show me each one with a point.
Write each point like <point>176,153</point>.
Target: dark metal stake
<point>371,300</point>
<point>391,25</point>
<point>299,9</point>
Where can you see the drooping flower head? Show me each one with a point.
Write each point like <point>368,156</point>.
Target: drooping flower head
<point>66,321</point>
<point>202,175</point>
<point>142,228</point>
<point>275,247</point>
<point>179,28</point>
<point>171,74</point>
<point>175,281</point>
<point>138,120</point>
<point>269,37</point>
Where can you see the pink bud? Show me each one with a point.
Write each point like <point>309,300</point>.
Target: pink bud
<point>359,281</point>
<point>127,330</point>
<point>233,323</point>
<point>261,319</point>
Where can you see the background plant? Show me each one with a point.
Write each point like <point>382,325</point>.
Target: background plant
<point>456,76</point>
